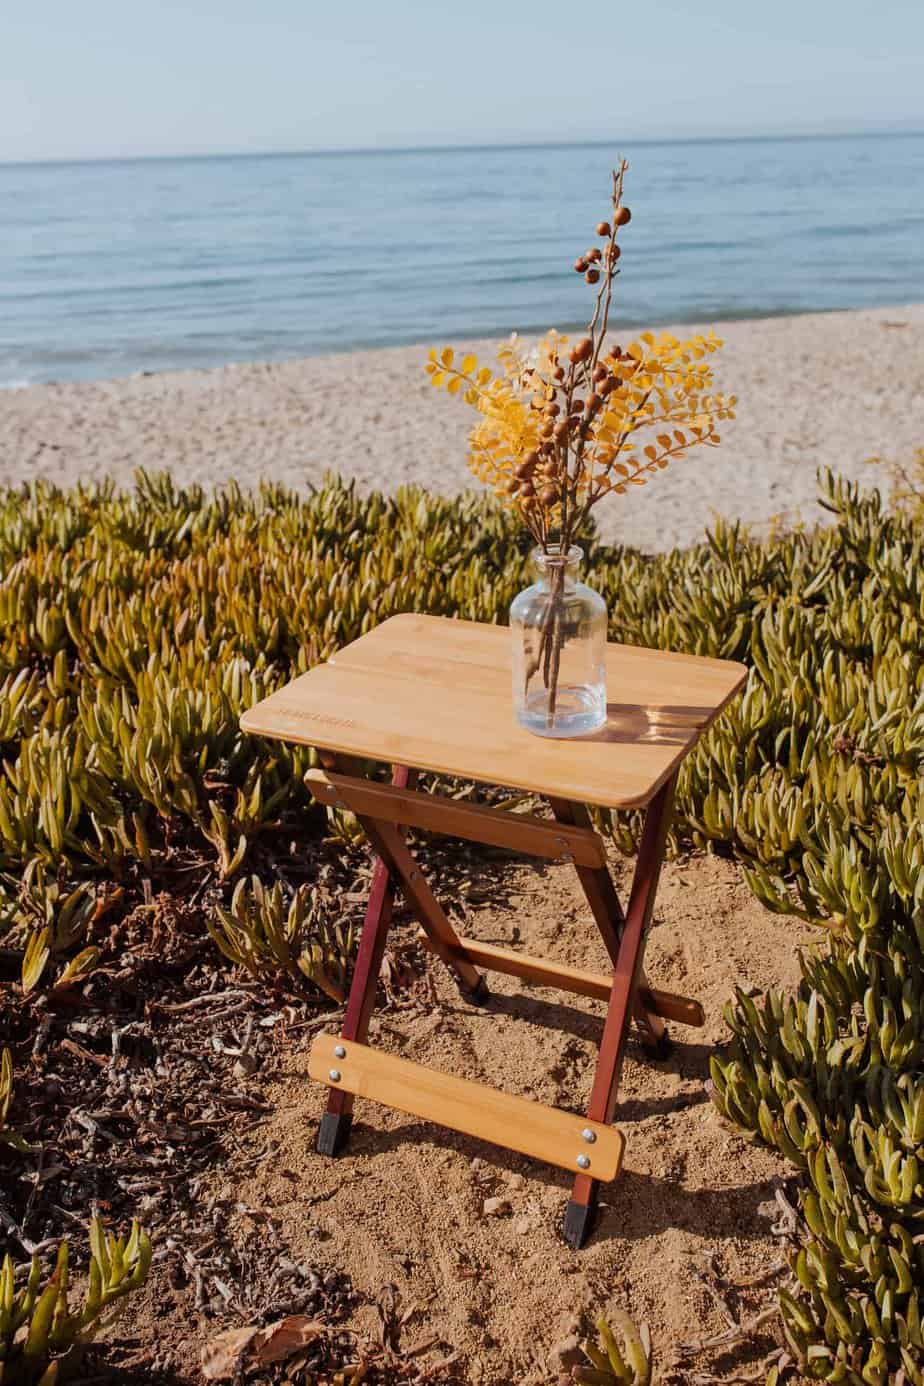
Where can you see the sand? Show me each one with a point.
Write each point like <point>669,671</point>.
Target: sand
<point>814,390</point>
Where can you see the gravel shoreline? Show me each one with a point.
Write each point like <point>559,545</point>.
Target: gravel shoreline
<point>814,390</point>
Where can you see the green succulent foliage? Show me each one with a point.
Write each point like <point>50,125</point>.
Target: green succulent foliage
<point>48,921</point>
<point>9,1137</point>
<point>38,1327</point>
<point>135,628</point>
<point>832,827</point>
<point>265,933</point>
<point>620,1358</point>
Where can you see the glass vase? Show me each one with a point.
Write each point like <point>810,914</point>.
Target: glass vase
<point>558,629</point>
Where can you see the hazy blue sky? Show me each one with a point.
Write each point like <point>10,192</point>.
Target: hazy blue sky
<point>119,77</point>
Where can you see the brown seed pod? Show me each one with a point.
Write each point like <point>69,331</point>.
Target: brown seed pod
<point>580,264</point>
<point>548,495</point>
<point>600,372</point>
<point>560,431</point>
<point>603,228</point>
<point>527,490</point>
<point>546,430</point>
<point>524,471</point>
<point>594,255</point>
<point>622,216</point>
<point>592,403</point>
<point>592,276</point>
<point>613,253</point>
<point>552,409</point>
<point>581,351</point>
<point>531,459</point>
<point>576,406</point>
<point>559,373</point>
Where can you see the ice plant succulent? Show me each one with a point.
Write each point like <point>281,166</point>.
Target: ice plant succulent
<point>568,423</point>
<point>38,1326</point>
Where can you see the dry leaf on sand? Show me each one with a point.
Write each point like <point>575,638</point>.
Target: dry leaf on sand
<point>221,1358</point>
<point>285,1338</point>
<point>226,1354</point>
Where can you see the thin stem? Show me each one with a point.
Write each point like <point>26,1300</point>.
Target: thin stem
<point>610,270</point>
<point>556,642</point>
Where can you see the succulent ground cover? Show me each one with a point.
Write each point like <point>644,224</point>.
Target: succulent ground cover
<point>139,828</point>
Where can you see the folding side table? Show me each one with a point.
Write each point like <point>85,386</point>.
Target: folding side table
<point>429,694</point>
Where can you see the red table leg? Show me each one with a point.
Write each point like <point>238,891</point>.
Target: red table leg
<point>334,1131</point>
<point>608,913</point>
<point>627,974</point>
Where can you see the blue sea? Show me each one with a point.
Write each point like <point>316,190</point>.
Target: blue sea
<point>109,268</point>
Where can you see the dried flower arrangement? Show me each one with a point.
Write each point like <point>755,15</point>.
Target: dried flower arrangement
<point>567,424</point>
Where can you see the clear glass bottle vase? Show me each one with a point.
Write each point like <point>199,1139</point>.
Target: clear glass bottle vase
<point>558,629</point>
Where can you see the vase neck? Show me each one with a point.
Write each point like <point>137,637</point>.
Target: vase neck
<point>554,563</point>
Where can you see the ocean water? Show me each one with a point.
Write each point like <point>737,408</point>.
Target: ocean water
<point>110,268</point>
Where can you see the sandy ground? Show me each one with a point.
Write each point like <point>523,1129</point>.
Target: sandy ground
<point>814,390</point>
<point>499,1297</point>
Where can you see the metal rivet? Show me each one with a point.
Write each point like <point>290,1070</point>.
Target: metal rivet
<point>588,1135</point>
<point>334,1075</point>
<point>340,1053</point>
<point>583,1161</point>
<point>567,857</point>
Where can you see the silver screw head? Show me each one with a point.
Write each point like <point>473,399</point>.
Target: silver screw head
<point>587,1135</point>
<point>334,1075</point>
<point>583,1162</point>
<point>339,1051</point>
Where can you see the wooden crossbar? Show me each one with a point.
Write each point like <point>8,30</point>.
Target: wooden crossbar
<point>548,973</point>
<point>519,832</point>
<point>545,1133</point>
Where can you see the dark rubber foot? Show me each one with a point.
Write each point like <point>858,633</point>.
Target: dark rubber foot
<point>334,1133</point>
<point>481,994</point>
<point>659,1049</point>
<point>578,1222</point>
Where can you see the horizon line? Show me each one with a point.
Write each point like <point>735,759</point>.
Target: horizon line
<point>473,148</point>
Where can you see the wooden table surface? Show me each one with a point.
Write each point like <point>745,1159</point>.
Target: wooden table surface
<point>435,694</point>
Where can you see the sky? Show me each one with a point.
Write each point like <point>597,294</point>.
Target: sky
<point>110,79</point>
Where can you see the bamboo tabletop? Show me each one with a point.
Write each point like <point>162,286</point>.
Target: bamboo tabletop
<point>435,694</point>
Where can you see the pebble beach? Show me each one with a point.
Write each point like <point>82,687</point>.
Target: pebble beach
<point>814,390</point>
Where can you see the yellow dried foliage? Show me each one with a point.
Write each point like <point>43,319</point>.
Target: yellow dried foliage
<point>662,383</point>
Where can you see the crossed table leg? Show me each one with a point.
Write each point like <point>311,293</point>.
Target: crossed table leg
<point>348,1066</point>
